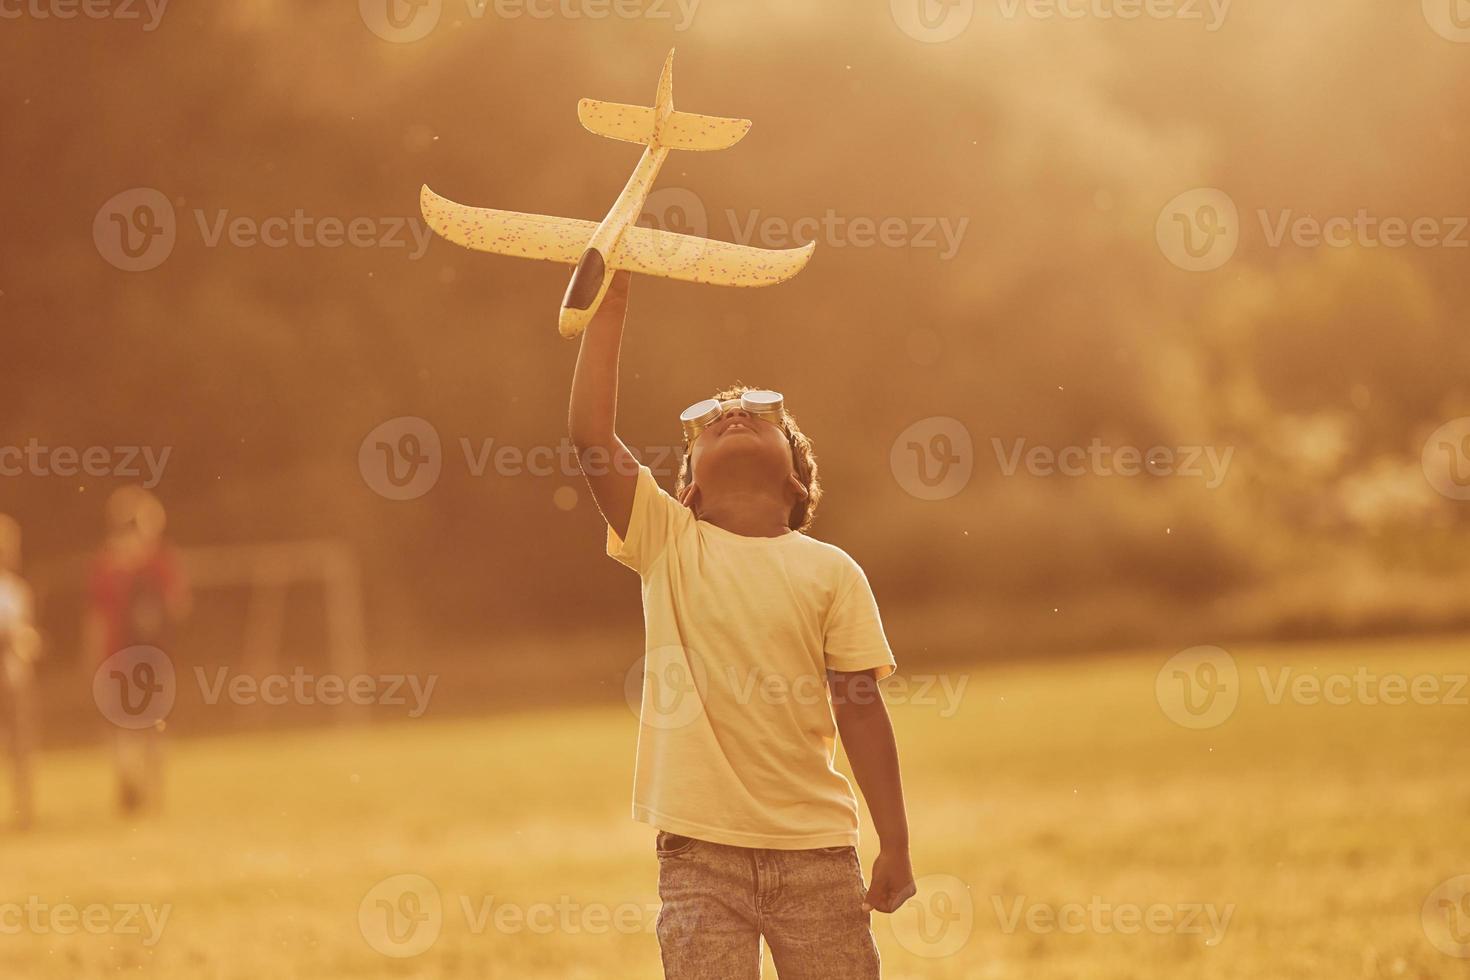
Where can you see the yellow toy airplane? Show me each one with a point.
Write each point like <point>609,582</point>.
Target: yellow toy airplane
<point>599,250</point>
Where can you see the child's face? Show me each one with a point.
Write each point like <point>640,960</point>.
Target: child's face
<point>740,446</point>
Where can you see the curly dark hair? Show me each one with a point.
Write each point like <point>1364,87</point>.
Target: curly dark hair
<point>803,459</point>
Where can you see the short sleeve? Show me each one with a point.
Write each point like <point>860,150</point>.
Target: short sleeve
<point>653,523</point>
<point>854,638</point>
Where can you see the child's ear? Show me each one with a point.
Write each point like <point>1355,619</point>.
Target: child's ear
<point>798,486</point>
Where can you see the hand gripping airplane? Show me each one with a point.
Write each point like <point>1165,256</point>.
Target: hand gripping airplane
<point>619,242</point>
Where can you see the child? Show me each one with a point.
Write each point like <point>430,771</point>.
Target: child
<point>137,596</point>
<point>773,642</point>
<point>19,647</point>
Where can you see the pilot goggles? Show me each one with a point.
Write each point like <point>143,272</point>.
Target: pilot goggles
<point>767,405</point>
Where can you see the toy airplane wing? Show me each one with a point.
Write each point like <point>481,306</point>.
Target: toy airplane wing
<point>646,251</point>
<point>649,251</point>
<point>527,236</point>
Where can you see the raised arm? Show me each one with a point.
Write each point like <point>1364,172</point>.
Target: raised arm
<point>610,469</point>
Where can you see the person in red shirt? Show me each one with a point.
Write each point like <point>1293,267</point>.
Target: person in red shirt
<point>136,597</point>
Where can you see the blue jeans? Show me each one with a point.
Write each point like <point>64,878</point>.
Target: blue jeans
<point>720,901</point>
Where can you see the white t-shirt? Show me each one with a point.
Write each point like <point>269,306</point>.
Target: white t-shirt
<point>16,615</point>
<point>15,604</point>
<point>736,738</point>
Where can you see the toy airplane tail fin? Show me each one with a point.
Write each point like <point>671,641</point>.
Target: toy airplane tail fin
<point>680,131</point>
<point>661,125</point>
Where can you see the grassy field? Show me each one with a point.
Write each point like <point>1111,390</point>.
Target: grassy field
<point>1312,833</point>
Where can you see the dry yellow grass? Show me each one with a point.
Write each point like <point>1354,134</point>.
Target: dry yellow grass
<point>1319,829</point>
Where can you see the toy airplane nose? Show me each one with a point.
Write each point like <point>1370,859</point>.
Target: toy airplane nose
<point>572,322</point>
<point>584,293</point>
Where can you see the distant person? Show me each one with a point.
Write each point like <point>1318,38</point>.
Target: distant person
<point>136,596</point>
<point>19,646</point>
<point>763,647</point>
